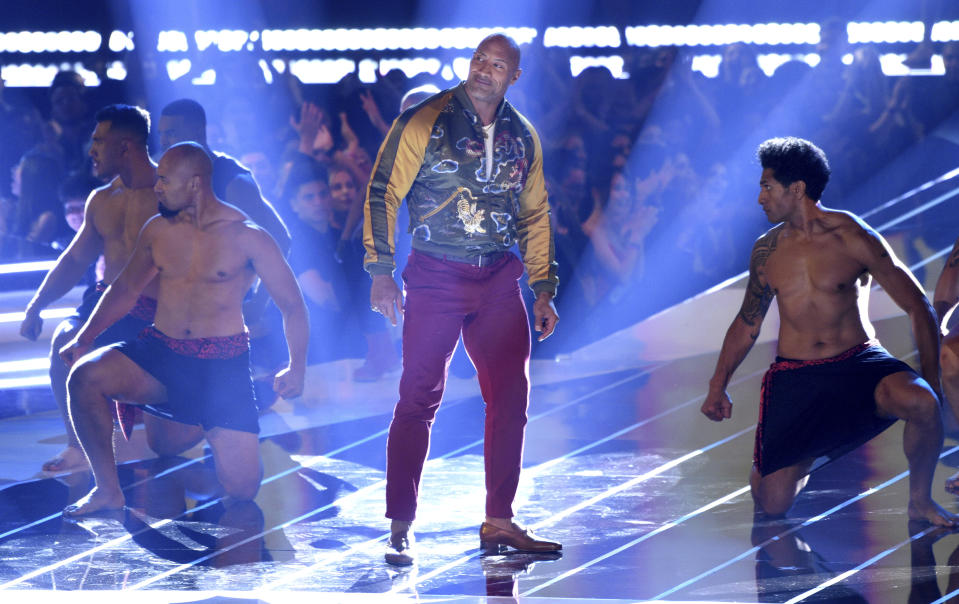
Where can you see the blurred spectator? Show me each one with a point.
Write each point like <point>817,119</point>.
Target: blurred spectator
<point>71,119</point>
<point>381,355</point>
<point>738,93</point>
<point>618,241</point>
<point>185,120</point>
<point>919,105</point>
<point>39,217</point>
<point>20,128</point>
<point>73,193</point>
<point>312,257</point>
<point>264,172</point>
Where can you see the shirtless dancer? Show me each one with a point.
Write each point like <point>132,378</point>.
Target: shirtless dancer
<point>944,302</point>
<point>113,217</point>
<point>192,365</point>
<point>833,387</point>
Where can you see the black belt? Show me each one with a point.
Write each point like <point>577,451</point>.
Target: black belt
<point>479,260</point>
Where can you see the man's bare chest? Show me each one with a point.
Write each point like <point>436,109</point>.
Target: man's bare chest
<point>820,266</point>
<point>200,257</point>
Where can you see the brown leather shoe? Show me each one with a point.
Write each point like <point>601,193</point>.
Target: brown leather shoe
<point>494,540</point>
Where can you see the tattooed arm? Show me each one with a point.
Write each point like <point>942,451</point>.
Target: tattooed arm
<point>947,288</point>
<point>744,330</point>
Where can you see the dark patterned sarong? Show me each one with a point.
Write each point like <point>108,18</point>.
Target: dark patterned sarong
<point>822,407</point>
<point>208,380</point>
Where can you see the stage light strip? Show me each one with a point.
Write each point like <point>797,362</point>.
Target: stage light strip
<point>50,41</point>
<point>535,470</point>
<point>289,471</point>
<point>543,466</point>
<point>383,38</point>
<point>919,210</point>
<point>27,267</point>
<point>379,483</point>
<point>806,523</point>
<point>889,32</point>
<point>852,571</point>
<point>720,35</point>
<point>660,529</point>
<point>578,37</point>
<point>49,313</point>
<point>595,499</point>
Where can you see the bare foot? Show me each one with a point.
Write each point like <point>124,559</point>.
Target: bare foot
<point>933,513</point>
<point>69,459</point>
<point>95,501</point>
<point>952,484</point>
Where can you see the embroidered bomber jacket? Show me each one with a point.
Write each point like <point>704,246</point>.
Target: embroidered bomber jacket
<point>434,156</point>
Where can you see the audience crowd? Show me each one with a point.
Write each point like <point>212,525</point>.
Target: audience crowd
<point>651,177</point>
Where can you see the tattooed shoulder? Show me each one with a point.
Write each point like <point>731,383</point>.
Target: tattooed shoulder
<point>759,294</point>
<point>764,248</point>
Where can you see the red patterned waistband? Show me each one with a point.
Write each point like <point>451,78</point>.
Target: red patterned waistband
<point>782,364</point>
<point>223,347</point>
<point>145,309</point>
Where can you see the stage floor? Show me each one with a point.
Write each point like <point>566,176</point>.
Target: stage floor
<point>648,497</point>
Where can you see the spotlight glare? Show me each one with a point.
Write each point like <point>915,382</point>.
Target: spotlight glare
<point>117,71</point>
<point>119,41</point>
<point>613,63</point>
<point>31,76</point>
<point>265,68</point>
<point>207,78</point>
<point>461,68</point>
<point>708,65</point>
<point>945,31</point>
<point>178,68</point>
<point>317,71</point>
<point>769,63</point>
<point>892,64</point>
<point>172,41</point>
<point>366,71</point>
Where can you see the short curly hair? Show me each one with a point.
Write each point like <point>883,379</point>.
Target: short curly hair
<point>792,159</point>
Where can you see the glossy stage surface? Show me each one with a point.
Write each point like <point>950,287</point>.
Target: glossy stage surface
<point>649,498</point>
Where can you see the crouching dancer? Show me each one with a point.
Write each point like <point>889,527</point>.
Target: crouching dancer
<point>832,387</point>
<point>192,364</point>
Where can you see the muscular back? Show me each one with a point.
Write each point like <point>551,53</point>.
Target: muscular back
<point>821,282</point>
<point>118,214</point>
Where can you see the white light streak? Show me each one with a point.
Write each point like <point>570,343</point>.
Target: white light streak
<point>613,63</point>
<point>577,37</point>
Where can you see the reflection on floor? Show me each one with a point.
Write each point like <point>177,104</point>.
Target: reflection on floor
<point>647,496</point>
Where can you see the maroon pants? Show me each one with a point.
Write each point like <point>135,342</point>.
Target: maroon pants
<point>443,299</point>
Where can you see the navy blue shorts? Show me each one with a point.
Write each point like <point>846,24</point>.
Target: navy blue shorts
<point>822,407</point>
<point>208,380</point>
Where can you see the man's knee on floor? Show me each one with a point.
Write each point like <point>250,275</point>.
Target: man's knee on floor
<point>774,494</point>
<point>773,503</point>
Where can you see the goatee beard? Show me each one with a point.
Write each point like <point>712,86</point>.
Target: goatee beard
<point>165,211</point>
